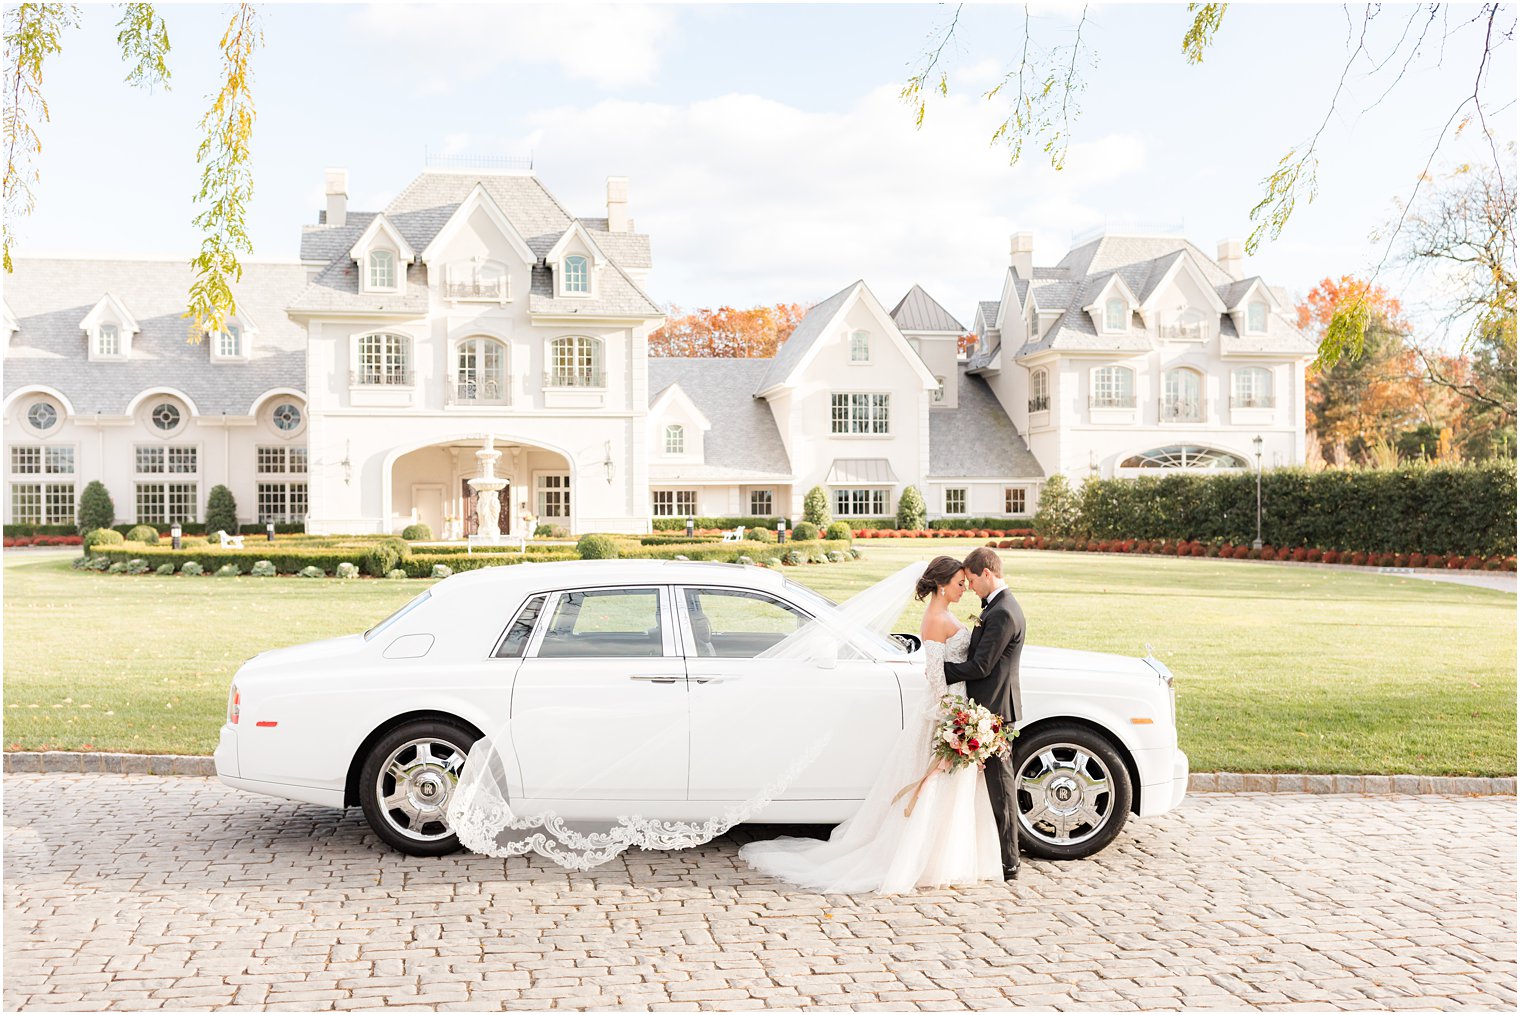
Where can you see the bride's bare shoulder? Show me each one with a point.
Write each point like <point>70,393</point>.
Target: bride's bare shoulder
<point>938,627</point>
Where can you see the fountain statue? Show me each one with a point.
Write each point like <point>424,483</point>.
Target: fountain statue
<point>487,487</point>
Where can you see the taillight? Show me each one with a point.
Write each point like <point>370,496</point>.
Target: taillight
<point>233,708</point>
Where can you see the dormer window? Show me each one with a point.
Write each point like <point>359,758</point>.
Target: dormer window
<point>229,342</point>
<point>577,275</point>
<point>860,347</point>
<point>1256,317</point>
<point>382,269</point>
<point>1114,313</point>
<point>675,439</point>
<point>108,329</point>
<point>108,340</point>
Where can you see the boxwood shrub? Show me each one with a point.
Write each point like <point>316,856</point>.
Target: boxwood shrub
<point>728,522</point>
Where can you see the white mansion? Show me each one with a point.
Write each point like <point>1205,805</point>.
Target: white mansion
<point>354,386</point>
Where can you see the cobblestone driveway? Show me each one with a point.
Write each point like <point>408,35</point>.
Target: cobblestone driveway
<point>136,892</point>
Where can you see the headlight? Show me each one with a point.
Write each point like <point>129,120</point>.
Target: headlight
<point>233,705</point>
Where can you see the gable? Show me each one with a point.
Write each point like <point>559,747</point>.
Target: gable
<point>479,215</point>
<point>829,324</point>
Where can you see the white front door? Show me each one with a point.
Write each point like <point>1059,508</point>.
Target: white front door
<point>754,719</point>
<point>553,497</point>
<point>427,505</point>
<point>599,705</point>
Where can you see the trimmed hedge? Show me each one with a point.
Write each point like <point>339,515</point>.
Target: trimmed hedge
<point>732,522</point>
<point>1466,509</point>
<point>976,523</point>
<point>1243,551</point>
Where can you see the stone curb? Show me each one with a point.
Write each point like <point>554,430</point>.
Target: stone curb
<point>1198,782</point>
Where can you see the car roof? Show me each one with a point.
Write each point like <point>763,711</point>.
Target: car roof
<point>590,572</point>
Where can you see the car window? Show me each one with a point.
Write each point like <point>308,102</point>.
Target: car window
<point>522,628</point>
<point>599,623</point>
<point>388,621</point>
<point>735,624</point>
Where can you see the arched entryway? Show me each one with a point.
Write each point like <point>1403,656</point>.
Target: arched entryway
<point>430,484</point>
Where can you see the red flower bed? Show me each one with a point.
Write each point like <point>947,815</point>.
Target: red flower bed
<point>43,540</point>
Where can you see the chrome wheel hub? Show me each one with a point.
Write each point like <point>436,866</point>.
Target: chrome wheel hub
<point>1065,795</point>
<point>414,787</point>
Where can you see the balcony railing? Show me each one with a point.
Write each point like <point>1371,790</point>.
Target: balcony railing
<point>1181,410</point>
<point>487,391</point>
<point>488,289</point>
<point>575,378</point>
<point>1253,401</point>
<point>380,377</point>
<point>1111,402</point>
<point>1039,403</point>
<point>1196,332</point>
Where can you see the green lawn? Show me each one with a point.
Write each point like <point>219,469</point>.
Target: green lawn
<point>1279,668</point>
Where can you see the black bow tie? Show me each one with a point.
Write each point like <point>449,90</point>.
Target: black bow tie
<point>985,602</point>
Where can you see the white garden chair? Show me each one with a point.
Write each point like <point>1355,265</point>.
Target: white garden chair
<point>735,536</point>
<point>229,542</point>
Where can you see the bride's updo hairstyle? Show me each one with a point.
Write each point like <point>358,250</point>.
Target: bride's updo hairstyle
<point>940,572</point>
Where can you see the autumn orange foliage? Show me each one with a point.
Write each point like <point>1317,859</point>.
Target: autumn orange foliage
<point>727,331</point>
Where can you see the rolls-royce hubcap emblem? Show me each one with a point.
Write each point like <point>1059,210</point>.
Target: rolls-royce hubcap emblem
<point>1063,794</point>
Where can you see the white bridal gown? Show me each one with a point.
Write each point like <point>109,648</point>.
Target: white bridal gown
<point>950,839</point>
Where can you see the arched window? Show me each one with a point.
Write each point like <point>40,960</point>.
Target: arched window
<point>166,416</point>
<point>108,342</point>
<point>1184,456</point>
<point>1256,317</point>
<point>1039,390</point>
<point>286,416</point>
<point>481,371</point>
<point>577,278</point>
<point>1251,388</point>
<point>382,269</point>
<point>384,359</point>
<point>42,416</point>
<point>1113,388</point>
<point>1181,395</point>
<point>675,439</point>
<point>1115,314</point>
<point>575,361</point>
<point>860,347</point>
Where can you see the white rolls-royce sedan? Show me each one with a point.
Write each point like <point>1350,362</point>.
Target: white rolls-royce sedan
<point>384,720</point>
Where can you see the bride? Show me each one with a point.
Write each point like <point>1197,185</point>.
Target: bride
<point>950,837</point>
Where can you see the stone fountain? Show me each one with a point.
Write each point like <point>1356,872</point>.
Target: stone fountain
<point>488,487</point>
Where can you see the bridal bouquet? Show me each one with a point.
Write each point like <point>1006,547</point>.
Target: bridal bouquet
<point>968,733</point>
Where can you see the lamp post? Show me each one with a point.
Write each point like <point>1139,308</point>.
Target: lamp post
<point>174,535</point>
<point>1256,544</point>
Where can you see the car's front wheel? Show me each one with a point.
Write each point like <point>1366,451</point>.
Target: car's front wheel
<point>1073,789</point>
<point>407,780</point>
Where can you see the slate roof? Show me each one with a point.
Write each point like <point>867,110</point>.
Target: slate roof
<point>987,312</point>
<point>977,439</point>
<point>917,311</point>
<point>808,331</point>
<point>743,443</point>
<point>422,209</point>
<point>50,296</point>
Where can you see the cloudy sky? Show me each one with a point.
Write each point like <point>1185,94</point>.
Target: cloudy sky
<point>770,158</point>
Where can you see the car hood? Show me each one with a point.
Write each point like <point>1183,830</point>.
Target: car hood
<point>1039,657</point>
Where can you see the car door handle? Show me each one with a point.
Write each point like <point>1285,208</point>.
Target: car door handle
<point>655,678</point>
<point>710,678</point>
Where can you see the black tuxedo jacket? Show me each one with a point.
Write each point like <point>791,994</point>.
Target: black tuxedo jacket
<point>991,669</point>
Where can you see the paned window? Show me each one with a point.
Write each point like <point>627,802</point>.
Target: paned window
<point>384,359</point>
<point>1039,391</point>
<point>761,503</point>
<point>166,416</point>
<point>860,413</point>
<point>860,347</point>
<point>1015,500</point>
<point>1113,388</point>
<point>1252,388</point>
<point>34,459</point>
<point>1256,316</point>
<point>577,278</point>
<point>229,341</point>
<point>1182,395</point>
<point>42,416</point>
<point>860,503</point>
<point>1114,313</point>
<point>955,500</point>
<point>156,459</point>
<point>108,342</point>
<point>675,503</point>
<point>286,416</point>
<point>166,503</point>
<point>482,375</point>
<point>675,439</point>
<point>382,269</point>
<point>554,495</point>
<point>281,502</point>
<point>42,503</point>
<point>576,362</point>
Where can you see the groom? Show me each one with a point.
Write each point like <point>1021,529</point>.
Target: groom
<point>991,673</point>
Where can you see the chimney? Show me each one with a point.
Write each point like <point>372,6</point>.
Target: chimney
<point>1021,254</point>
<point>1232,258</point>
<point>617,205</point>
<point>337,196</point>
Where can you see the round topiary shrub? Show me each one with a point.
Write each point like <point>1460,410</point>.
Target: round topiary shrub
<point>794,558</point>
<point>552,531</point>
<point>771,562</point>
<point>262,569</point>
<point>744,558</point>
<point>760,535</point>
<point>102,537</point>
<point>418,531</point>
<point>98,563</point>
<point>594,546</point>
<point>228,570</point>
<point>143,534</point>
<point>382,558</point>
<point>838,530</point>
<point>311,571</point>
<point>818,558</point>
<point>442,570</point>
<point>395,573</point>
<point>165,569</point>
<point>137,566</point>
<point>117,568</point>
<point>191,567</point>
<point>347,570</point>
<point>804,532</point>
<point>836,557</point>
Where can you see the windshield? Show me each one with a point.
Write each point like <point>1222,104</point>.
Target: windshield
<point>388,621</point>
<point>819,603</point>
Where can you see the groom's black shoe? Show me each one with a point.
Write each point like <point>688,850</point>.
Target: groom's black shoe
<point>1011,873</point>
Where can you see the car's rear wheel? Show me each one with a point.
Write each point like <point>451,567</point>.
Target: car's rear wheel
<point>407,780</point>
<point>1074,791</point>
